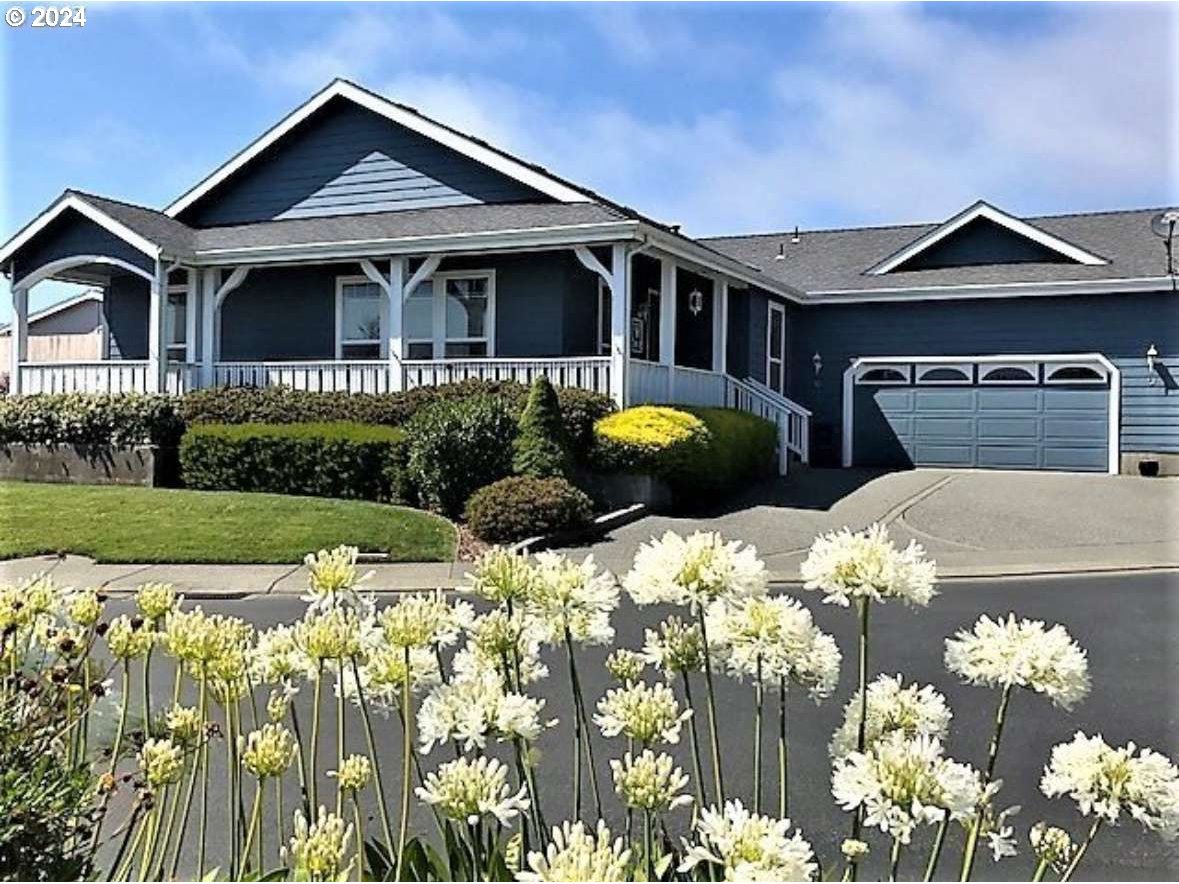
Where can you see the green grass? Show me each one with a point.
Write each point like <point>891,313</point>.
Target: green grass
<point>124,524</point>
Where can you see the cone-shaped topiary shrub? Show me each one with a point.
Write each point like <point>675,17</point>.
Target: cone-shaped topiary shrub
<point>541,448</point>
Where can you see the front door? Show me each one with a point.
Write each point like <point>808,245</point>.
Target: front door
<point>776,348</point>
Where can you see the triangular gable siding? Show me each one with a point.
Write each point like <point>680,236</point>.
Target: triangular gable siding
<point>72,234</point>
<point>982,241</point>
<point>349,160</point>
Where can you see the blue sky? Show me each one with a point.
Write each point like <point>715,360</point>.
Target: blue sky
<point>721,117</point>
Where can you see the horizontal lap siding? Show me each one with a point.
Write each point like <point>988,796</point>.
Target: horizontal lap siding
<point>349,160</point>
<point>1120,326</point>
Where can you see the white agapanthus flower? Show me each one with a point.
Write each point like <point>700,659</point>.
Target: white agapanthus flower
<point>575,597</point>
<point>1052,846</point>
<point>319,851</point>
<point>276,658</point>
<point>902,783</point>
<point>694,570</point>
<point>382,677</point>
<point>467,791</point>
<point>1021,653</point>
<point>644,713</point>
<point>650,782</point>
<point>779,635</point>
<point>425,619</point>
<point>749,847</point>
<point>500,575</point>
<point>471,709</point>
<point>500,642</point>
<point>849,565</point>
<point>332,579</point>
<point>913,710</point>
<point>577,854</point>
<point>1108,781</point>
<point>674,648</point>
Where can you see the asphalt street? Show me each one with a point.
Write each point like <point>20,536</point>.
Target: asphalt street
<point>1129,624</point>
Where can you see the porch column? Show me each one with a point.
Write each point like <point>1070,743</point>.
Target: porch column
<point>667,312</point>
<point>157,355</point>
<point>208,355</point>
<point>619,321</point>
<point>720,326</point>
<point>395,297</point>
<point>192,297</point>
<point>18,350</point>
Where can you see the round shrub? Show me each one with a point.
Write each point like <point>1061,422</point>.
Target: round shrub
<point>649,439</point>
<point>457,446</point>
<point>523,506</point>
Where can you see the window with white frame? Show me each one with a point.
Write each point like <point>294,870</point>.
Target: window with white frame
<point>358,318</point>
<point>176,324</point>
<point>452,316</point>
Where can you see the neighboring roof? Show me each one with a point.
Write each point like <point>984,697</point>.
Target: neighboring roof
<point>59,307</point>
<point>839,261</point>
<point>529,174</point>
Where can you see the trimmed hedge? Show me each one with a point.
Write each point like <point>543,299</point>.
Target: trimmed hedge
<point>712,449</point>
<point>90,419</point>
<point>339,459</point>
<point>282,405</point>
<point>524,506</point>
<point>456,447</point>
<point>540,447</point>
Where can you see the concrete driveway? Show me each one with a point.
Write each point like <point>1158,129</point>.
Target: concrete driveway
<point>973,522</point>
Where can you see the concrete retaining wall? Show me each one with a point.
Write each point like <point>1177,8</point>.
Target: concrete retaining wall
<point>87,465</point>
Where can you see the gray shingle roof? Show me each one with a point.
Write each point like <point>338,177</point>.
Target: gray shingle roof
<point>836,260</point>
<point>179,239</point>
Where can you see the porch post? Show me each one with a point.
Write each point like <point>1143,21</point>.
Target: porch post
<point>619,321</point>
<point>208,325</point>
<point>157,356</point>
<point>720,326</point>
<point>396,312</point>
<point>192,296</point>
<point>667,312</point>
<point>18,350</point>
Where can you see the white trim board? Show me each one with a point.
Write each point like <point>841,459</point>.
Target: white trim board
<point>72,201</point>
<point>1113,373</point>
<point>1059,288</point>
<point>444,135</point>
<point>985,210</point>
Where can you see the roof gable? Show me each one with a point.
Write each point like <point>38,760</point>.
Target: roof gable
<point>444,164</point>
<point>983,235</point>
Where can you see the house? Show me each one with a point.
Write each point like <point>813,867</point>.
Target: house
<point>358,245</point>
<point>72,330</point>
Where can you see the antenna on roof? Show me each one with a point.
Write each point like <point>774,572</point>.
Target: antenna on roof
<point>796,238</point>
<point>1163,225</point>
<point>781,256</point>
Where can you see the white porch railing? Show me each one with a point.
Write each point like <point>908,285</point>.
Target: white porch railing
<point>792,420</point>
<point>105,376</point>
<point>583,372</point>
<point>359,376</point>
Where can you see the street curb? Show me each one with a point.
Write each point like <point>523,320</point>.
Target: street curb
<point>1011,572</point>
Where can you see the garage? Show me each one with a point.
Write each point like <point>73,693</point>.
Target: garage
<point>996,412</point>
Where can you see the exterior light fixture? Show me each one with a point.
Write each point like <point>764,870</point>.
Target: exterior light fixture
<point>695,301</point>
<point>1152,354</point>
<point>817,362</point>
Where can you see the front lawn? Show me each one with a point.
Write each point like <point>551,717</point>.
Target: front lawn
<point>124,524</point>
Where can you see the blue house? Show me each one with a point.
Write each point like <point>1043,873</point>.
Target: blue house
<point>360,246</point>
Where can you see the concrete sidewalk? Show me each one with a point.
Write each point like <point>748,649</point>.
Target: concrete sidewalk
<point>975,524</point>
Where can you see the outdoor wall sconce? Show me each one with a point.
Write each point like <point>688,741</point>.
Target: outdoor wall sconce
<point>695,301</point>
<point>817,362</point>
<point>1152,354</point>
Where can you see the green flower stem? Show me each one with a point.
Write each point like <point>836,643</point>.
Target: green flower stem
<point>971,848</point>
<point>231,796</point>
<point>894,860</point>
<point>758,697</point>
<point>255,826</point>
<point>341,750</point>
<point>204,820</point>
<point>313,775</point>
<point>147,693</point>
<point>1041,868</point>
<point>202,705</point>
<point>302,760</point>
<point>717,773</point>
<point>1079,855</point>
<point>130,827</point>
<point>582,726</point>
<point>358,824</point>
<point>378,779</point>
<point>124,869</point>
<point>475,834</point>
<point>170,826</point>
<point>115,749</point>
<point>694,739</point>
<point>648,845</point>
<point>152,826</point>
<point>865,605</point>
<point>406,757</point>
<point>939,842</point>
<point>783,758</point>
<point>279,817</point>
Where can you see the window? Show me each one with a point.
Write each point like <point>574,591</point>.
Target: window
<point>945,374</point>
<point>883,374</point>
<point>358,318</point>
<point>1008,374</point>
<point>1073,374</point>
<point>451,316</point>
<point>176,324</point>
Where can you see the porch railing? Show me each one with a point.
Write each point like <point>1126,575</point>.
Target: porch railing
<point>358,376</point>
<point>792,420</point>
<point>584,372</point>
<point>102,376</point>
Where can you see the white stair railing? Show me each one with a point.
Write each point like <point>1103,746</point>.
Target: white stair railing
<point>792,420</point>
